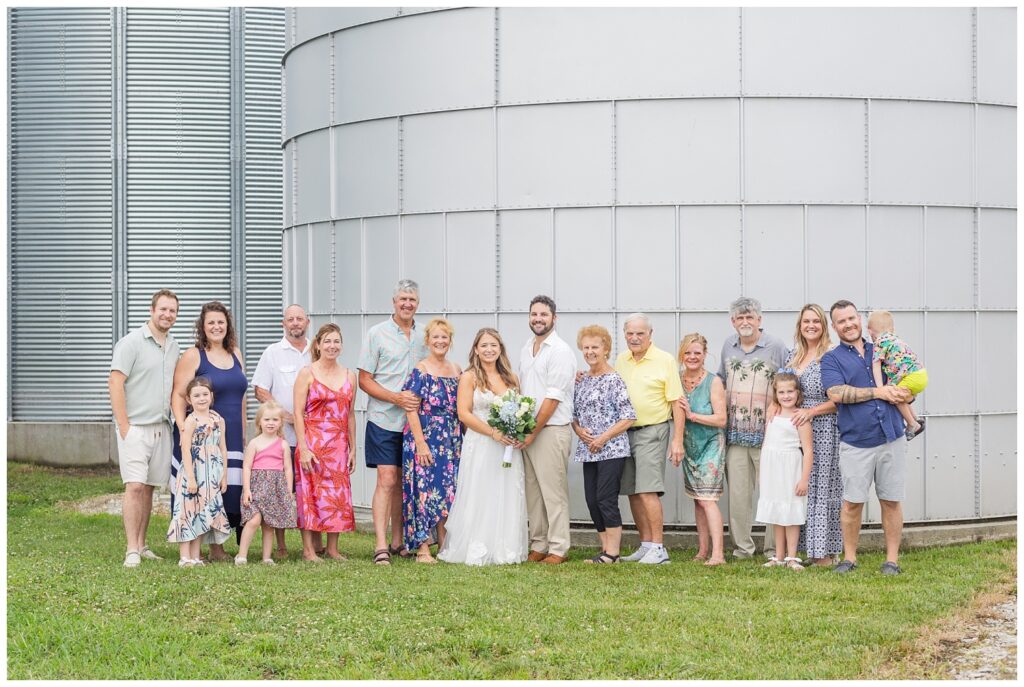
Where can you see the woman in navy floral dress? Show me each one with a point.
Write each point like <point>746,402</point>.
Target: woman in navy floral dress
<point>821,537</point>
<point>431,444</point>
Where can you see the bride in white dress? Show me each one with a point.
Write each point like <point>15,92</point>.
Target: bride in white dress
<point>487,522</point>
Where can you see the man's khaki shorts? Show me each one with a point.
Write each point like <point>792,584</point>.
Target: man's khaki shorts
<point>144,455</point>
<point>644,470</point>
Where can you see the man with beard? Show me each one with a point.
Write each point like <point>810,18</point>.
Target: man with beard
<point>275,379</point>
<point>748,364</point>
<point>871,438</point>
<point>140,382</point>
<point>547,370</point>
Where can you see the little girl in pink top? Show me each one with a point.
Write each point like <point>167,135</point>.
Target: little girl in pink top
<point>267,499</point>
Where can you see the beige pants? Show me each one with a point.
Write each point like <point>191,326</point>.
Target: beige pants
<point>547,489</point>
<point>742,470</point>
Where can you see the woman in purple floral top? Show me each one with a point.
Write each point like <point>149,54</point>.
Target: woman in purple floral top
<point>601,415</point>
<point>431,444</point>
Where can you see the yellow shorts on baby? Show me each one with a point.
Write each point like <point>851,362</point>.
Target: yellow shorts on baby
<point>915,381</point>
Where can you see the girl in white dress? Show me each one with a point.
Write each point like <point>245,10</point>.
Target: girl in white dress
<point>487,522</point>
<point>787,454</point>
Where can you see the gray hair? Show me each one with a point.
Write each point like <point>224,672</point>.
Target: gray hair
<point>743,304</point>
<point>406,285</point>
<point>637,316</point>
<point>284,313</point>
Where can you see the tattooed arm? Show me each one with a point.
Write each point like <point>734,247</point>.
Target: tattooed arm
<point>844,393</point>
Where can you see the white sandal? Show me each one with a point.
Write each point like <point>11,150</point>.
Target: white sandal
<point>186,563</point>
<point>793,563</point>
<point>269,561</point>
<point>772,563</point>
<point>241,560</point>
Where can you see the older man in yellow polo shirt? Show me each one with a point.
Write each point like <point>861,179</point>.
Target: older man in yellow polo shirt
<point>652,380</point>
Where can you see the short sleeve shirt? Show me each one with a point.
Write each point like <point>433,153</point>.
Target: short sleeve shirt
<point>276,372</point>
<point>551,374</point>
<point>862,425</point>
<point>748,377</point>
<point>389,356</point>
<point>149,368</point>
<point>898,360</point>
<point>653,384</point>
<point>600,402</point>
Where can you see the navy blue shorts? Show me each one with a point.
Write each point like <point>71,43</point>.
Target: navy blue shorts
<point>382,446</point>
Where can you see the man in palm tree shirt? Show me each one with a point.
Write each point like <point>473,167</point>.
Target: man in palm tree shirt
<point>748,364</point>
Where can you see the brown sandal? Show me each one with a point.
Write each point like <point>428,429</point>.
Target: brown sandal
<point>381,557</point>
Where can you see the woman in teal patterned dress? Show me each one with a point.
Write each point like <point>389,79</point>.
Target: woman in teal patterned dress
<point>703,401</point>
<point>431,444</point>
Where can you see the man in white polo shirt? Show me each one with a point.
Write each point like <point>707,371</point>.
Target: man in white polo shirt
<point>140,382</point>
<point>547,372</point>
<point>275,379</point>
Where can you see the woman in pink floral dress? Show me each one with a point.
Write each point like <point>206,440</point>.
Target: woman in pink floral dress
<point>325,429</point>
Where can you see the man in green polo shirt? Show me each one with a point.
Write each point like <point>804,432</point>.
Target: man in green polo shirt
<point>140,382</point>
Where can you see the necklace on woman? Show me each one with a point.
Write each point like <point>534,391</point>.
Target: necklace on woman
<point>691,384</point>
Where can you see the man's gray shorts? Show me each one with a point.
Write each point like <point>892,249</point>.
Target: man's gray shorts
<point>885,465</point>
<point>644,469</point>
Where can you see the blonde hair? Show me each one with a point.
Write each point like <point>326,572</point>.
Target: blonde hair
<point>441,323</point>
<point>269,407</point>
<point>695,337</point>
<point>502,364</point>
<point>314,352</point>
<point>882,320</point>
<point>595,331</point>
<point>824,343</point>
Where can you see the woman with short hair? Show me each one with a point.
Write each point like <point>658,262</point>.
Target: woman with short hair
<point>703,401</point>
<point>431,443</point>
<point>602,413</point>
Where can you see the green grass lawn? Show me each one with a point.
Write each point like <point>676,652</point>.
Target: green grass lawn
<point>74,612</point>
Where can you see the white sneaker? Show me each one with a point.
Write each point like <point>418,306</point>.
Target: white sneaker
<point>655,556</point>
<point>636,555</point>
<point>132,559</point>
<point>149,555</point>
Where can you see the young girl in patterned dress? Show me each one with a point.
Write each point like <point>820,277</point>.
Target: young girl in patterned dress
<point>198,513</point>
<point>267,500</point>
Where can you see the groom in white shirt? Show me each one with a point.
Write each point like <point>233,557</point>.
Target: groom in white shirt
<point>547,372</point>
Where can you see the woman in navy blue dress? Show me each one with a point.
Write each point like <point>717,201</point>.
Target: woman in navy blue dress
<point>217,357</point>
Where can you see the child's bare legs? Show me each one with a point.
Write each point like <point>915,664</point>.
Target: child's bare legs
<point>332,547</point>
<point>194,549</point>
<point>268,541</point>
<point>248,532</point>
<point>282,549</point>
<point>185,551</point>
<point>908,416</point>
<point>792,540</point>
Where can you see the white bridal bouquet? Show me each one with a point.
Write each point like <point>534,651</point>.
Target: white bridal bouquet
<point>512,415</point>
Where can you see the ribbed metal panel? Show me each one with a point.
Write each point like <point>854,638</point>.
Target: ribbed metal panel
<point>178,172</point>
<point>60,211</point>
<point>124,180</point>
<point>264,44</point>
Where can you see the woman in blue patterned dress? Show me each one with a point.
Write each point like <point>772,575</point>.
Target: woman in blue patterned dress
<point>704,403</point>
<point>431,443</point>
<point>217,357</point>
<point>821,537</point>
<point>602,413</point>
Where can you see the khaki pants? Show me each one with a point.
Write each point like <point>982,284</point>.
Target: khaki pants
<point>742,471</point>
<point>547,489</point>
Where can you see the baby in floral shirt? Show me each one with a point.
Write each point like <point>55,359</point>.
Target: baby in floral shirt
<point>894,359</point>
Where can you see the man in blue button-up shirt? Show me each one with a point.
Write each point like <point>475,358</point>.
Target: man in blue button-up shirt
<point>871,437</point>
